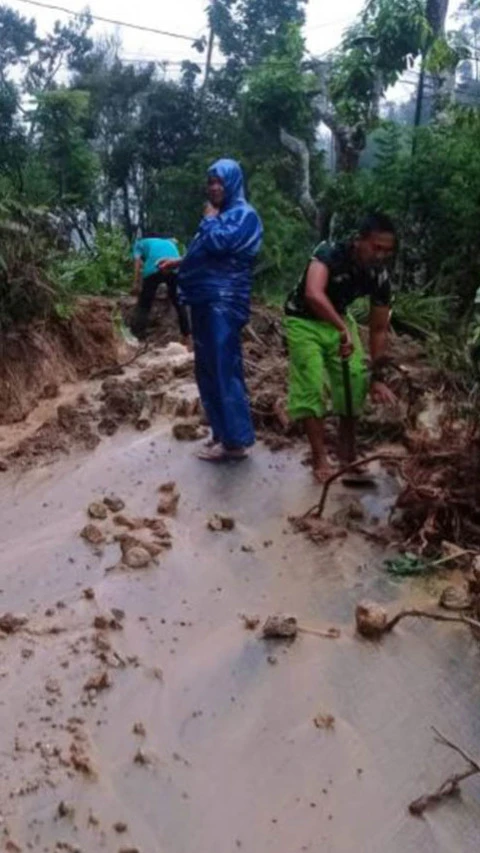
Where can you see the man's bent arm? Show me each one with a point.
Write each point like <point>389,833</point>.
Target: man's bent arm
<point>317,299</point>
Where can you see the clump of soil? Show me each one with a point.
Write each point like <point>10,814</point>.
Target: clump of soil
<point>221,522</point>
<point>188,429</point>
<point>114,503</point>
<point>317,529</point>
<point>98,682</point>
<point>136,557</point>
<point>251,623</point>
<point>37,358</point>
<point>323,720</point>
<point>169,498</point>
<point>123,400</point>
<point>91,533</point>
<point>10,623</point>
<point>370,619</point>
<point>97,510</point>
<point>280,626</point>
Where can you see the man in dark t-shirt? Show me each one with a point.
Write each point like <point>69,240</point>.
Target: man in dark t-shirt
<point>321,333</point>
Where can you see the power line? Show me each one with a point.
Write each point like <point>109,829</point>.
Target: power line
<point>109,20</point>
<point>327,24</point>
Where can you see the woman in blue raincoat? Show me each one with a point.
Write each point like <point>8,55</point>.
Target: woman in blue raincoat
<point>215,280</point>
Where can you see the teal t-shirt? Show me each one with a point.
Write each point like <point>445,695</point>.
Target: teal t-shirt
<point>152,250</point>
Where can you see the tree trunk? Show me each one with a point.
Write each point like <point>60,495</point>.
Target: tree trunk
<point>349,144</point>
<point>300,151</point>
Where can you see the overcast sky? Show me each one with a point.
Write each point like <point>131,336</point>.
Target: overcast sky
<point>323,28</point>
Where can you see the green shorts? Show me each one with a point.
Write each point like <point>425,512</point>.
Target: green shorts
<point>316,366</point>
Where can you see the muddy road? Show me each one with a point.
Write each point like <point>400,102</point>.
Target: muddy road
<point>138,714</point>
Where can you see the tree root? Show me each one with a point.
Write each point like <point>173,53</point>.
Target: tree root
<point>451,785</point>
<point>320,506</point>
<point>371,619</point>
<point>425,614</point>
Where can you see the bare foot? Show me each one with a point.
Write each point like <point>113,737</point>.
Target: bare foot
<point>323,472</point>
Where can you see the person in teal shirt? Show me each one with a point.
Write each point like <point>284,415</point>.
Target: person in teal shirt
<point>148,253</point>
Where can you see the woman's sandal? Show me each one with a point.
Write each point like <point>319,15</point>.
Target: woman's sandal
<point>219,453</point>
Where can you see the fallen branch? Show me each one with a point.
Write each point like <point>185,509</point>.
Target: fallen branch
<point>451,785</point>
<point>350,467</point>
<point>425,614</point>
<point>371,619</point>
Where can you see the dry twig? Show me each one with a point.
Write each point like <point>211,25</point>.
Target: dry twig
<point>425,614</point>
<point>451,785</point>
<point>386,457</point>
<point>117,368</point>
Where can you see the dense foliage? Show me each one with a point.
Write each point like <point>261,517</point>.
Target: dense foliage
<point>95,148</point>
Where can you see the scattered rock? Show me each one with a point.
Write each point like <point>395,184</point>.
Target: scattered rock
<point>318,530</point>
<point>10,623</point>
<point>324,721</point>
<point>188,430</point>
<point>250,622</point>
<point>141,757</point>
<point>107,621</point>
<point>88,593</point>
<point>12,847</point>
<point>169,498</point>
<point>53,686</point>
<point>129,850</point>
<point>65,810</point>
<point>99,681</point>
<point>139,729</point>
<point>154,548</point>
<point>91,533</point>
<point>220,522</point>
<point>118,614</point>
<point>370,619</point>
<point>271,659</point>
<point>80,760</point>
<point>157,526</point>
<point>126,521</point>
<point>137,557</point>
<point>120,827</point>
<point>455,598</point>
<point>97,510</point>
<point>280,626</point>
<point>156,673</point>
<point>248,549</point>
<point>114,503</point>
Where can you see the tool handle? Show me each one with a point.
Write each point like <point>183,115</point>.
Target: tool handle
<point>347,387</point>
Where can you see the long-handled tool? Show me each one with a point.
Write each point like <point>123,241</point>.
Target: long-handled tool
<point>361,479</point>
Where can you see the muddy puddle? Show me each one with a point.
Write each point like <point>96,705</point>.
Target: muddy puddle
<point>199,736</point>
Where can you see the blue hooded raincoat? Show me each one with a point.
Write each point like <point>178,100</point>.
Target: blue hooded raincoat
<point>215,279</point>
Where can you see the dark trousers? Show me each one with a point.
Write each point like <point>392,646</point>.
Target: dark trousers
<point>145,302</point>
<point>217,333</point>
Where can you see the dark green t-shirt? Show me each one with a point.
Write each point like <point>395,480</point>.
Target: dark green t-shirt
<point>347,281</point>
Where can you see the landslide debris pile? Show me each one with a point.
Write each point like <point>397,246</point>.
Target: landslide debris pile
<point>440,498</point>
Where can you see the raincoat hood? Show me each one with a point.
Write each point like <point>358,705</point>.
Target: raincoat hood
<point>231,175</point>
